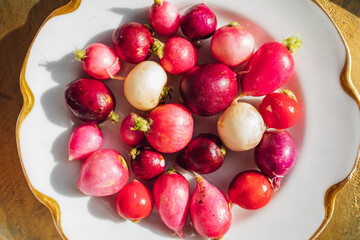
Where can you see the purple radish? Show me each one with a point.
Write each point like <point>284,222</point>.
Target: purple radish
<point>270,67</point>
<point>132,42</point>
<point>209,88</point>
<point>146,162</point>
<point>164,18</point>
<point>91,101</point>
<point>204,154</point>
<point>210,211</point>
<point>83,141</point>
<point>275,155</point>
<point>99,61</point>
<point>198,22</point>
<point>171,193</point>
<point>130,136</point>
<point>104,173</point>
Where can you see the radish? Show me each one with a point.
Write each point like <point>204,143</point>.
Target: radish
<point>209,88</point>
<point>171,193</point>
<point>146,162</point>
<point>240,126</point>
<point>134,201</point>
<point>104,173</point>
<point>168,128</point>
<point>132,42</point>
<point>99,61</point>
<point>250,190</point>
<point>198,22</point>
<point>130,136</point>
<point>210,211</point>
<point>280,110</point>
<point>164,18</point>
<point>232,44</point>
<point>144,86</point>
<point>91,101</point>
<point>177,55</point>
<point>275,155</point>
<point>83,141</point>
<point>270,67</point>
<point>204,154</point>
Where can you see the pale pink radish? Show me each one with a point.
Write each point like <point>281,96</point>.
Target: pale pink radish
<point>164,18</point>
<point>104,173</point>
<point>83,141</point>
<point>210,211</point>
<point>172,196</point>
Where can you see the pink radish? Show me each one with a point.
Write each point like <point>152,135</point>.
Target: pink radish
<point>83,141</point>
<point>168,128</point>
<point>210,211</point>
<point>270,67</point>
<point>164,18</point>
<point>132,42</point>
<point>276,155</point>
<point>104,173</point>
<point>171,193</point>
<point>232,44</point>
<point>177,55</point>
<point>99,61</point>
<point>130,136</point>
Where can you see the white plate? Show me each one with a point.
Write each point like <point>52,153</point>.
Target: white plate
<point>327,135</point>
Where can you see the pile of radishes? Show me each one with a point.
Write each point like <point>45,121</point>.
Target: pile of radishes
<point>206,90</point>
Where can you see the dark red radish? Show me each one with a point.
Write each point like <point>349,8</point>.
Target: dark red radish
<point>177,55</point>
<point>91,101</point>
<point>204,154</point>
<point>232,44</point>
<point>146,162</point>
<point>275,155</point>
<point>280,110</point>
<point>210,211</point>
<point>104,173</point>
<point>198,22</point>
<point>270,67</point>
<point>171,193</point>
<point>168,128</point>
<point>208,89</point>
<point>250,190</point>
<point>99,61</point>
<point>164,18</point>
<point>132,42</point>
<point>83,141</point>
<point>130,136</point>
<point>134,201</point>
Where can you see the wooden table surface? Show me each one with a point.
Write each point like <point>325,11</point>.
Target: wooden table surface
<point>22,216</point>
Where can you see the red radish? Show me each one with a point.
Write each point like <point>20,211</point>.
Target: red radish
<point>250,190</point>
<point>132,42</point>
<point>104,173</point>
<point>210,211</point>
<point>164,18</point>
<point>232,44</point>
<point>270,67</point>
<point>275,155</point>
<point>99,61</point>
<point>134,201</point>
<point>130,136</point>
<point>171,193</point>
<point>146,162</point>
<point>144,86</point>
<point>280,110</point>
<point>198,22</point>
<point>240,126</point>
<point>204,154</point>
<point>177,55</point>
<point>91,101</point>
<point>168,127</point>
<point>83,141</point>
<point>209,88</point>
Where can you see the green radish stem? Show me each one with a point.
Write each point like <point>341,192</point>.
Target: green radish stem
<point>158,48</point>
<point>141,124</point>
<point>113,117</point>
<point>79,54</point>
<point>292,43</point>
